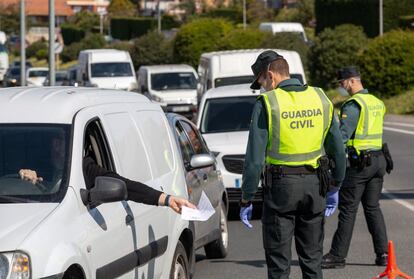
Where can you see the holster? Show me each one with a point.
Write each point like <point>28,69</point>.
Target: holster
<point>324,175</point>
<point>388,158</point>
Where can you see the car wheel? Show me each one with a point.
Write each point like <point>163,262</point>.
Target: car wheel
<point>180,266</point>
<point>219,247</point>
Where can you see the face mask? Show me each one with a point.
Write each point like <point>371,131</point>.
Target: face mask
<point>262,90</point>
<point>342,91</point>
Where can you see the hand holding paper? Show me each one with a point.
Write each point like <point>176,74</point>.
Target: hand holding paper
<point>203,211</point>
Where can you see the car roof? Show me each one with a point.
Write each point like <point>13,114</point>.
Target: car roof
<point>37,69</point>
<point>168,68</point>
<point>56,104</point>
<point>231,91</point>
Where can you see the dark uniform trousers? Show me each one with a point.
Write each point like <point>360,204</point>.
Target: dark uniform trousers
<point>292,206</point>
<point>365,186</point>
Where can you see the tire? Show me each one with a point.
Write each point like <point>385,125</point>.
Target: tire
<point>180,267</point>
<point>218,249</point>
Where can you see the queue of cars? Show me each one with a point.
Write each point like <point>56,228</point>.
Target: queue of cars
<point>57,228</point>
<point>51,229</point>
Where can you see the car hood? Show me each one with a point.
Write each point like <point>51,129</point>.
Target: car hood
<point>18,220</point>
<point>229,143</point>
<point>124,83</point>
<point>177,96</point>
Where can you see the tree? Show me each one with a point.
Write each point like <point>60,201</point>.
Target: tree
<point>84,20</point>
<point>9,18</point>
<point>150,49</point>
<point>122,8</point>
<point>333,49</point>
<point>242,39</point>
<point>199,36</point>
<point>387,63</point>
<point>257,11</point>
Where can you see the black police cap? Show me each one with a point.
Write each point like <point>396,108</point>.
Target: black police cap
<point>262,61</point>
<point>347,72</point>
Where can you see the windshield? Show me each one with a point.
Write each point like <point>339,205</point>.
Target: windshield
<point>297,76</point>
<point>38,73</point>
<point>227,114</point>
<point>15,71</point>
<point>111,69</point>
<point>29,148</point>
<point>233,80</point>
<point>173,81</point>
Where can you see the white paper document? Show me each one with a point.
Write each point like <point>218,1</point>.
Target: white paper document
<point>202,213</point>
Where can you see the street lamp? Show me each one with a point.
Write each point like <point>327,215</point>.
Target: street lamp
<point>381,18</point>
<point>244,14</point>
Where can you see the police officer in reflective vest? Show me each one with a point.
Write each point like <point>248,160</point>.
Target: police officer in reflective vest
<point>292,127</point>
<point>361,124</point>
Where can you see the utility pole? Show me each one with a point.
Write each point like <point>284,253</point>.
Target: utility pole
<point>381,18</point>
<point>159,16</point>
<point>51,42</point>
<point>22,44</point>
<point>244,14</point>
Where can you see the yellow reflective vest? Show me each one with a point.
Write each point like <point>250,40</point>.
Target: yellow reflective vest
<point>368,134</point>
<point>298,123</point>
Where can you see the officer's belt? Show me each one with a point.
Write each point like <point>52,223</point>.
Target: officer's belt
<point>374,152</point>
<point>288,170</point>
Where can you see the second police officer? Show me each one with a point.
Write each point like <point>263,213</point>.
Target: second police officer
<point>292,127</point>
<point>361,125</point>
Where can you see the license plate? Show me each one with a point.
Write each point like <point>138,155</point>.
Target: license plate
<point>180,109</point>
<point>237,183</point>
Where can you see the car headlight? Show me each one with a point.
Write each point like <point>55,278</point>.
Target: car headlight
<point>156,98</point>
<point>13,80</point>
<point>14,266</point>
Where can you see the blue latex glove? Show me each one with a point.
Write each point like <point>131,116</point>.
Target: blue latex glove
<point>331,201</point>
<point>246,215</point>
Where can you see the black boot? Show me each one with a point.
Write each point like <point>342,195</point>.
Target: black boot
<point>331,261</point>
<point>381,259</point>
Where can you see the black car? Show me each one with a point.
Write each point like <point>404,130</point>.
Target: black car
<point>12,77</point>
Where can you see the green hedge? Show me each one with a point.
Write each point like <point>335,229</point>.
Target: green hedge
<point>71,33</point>
<point>387,63</point>
<point>330,13</point>
<point>230,14</point>
<point>365,13</point>
<point>333,49</point>
<point>126,28</point>
<point>91,41</point>
<point>242,39</point>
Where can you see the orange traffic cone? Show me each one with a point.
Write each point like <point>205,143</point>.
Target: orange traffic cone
<point>392,271</point>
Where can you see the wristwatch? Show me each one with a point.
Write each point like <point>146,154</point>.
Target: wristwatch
<point>244,203</point>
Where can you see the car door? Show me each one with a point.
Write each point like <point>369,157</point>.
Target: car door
<point>108,237</point>
<point>203,179</point>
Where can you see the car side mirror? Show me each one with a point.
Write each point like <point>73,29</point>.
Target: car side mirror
<point>201,161</point>
<point>106,190</point>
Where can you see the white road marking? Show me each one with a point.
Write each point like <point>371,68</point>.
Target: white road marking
<point>398,124</point>
<point>396,199</point>
<point>399,130</point>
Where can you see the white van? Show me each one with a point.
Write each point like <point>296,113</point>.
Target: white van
<point>172,85</point>
<point>51,229</point>
<point>36,76</point>
<point>279,27</point>
<point>232,67</point>
<point>106,68</point>
<point>224,119</point>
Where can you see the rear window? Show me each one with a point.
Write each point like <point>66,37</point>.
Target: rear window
<point>233,80</point>
<point>173,81</point>
<point>38,73</point>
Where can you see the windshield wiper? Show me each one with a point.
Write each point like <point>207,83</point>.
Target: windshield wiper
<point>12,199</point>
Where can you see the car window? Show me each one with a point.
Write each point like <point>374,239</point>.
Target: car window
<point>96,146</point>
<point>173,81</point>
<point>43,148</point>
<point>185,145</point>
<point>111,69</point>
<point>38,73</point>
<point>233,80</point>
<point>195,138</point>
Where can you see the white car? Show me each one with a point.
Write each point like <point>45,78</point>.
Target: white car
<point>224,120</point>
<point>57,228</point>
<point>36,76</point>
<point>175,86</point>
<point>284,27</point>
